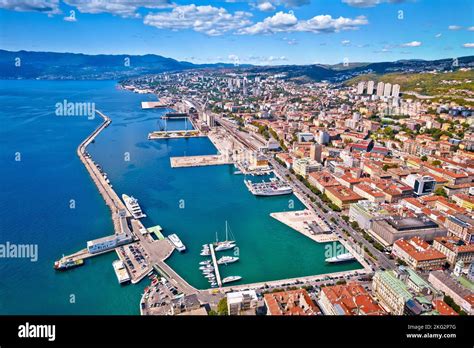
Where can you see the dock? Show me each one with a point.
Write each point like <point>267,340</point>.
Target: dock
<point>216,266</point>
<point>199,161</point>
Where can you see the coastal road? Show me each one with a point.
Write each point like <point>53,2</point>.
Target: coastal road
<point>382,259</point>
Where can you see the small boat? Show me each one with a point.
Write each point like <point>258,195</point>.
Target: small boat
<point>231,279</point>
<point>203,268</point>
<point>204,263</point>
<point>205,253</point>
<point>210,276</point>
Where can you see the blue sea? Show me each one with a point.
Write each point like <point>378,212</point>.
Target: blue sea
<point>49,200</point>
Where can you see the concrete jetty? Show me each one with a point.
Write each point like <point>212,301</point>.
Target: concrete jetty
<point>216,265</point>
<point>308,223</point>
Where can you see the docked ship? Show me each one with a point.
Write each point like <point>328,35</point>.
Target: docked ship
<point>227,259</point>
<point>177,242</point>
<point>231,279</point>
<point>64,264</point>
<point>274,187</point>
<point>341,258</point>
<point>121,272</point>
<point>132,205</point>
<point>226,244</point>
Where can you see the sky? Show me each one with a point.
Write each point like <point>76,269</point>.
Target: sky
<point>260,32</point>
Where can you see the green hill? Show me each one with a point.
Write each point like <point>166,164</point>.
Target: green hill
<point>458,83</point>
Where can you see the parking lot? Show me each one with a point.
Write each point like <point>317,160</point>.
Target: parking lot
<point>135,259</point>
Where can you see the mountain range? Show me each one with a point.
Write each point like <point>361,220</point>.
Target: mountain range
<point>74,66</point>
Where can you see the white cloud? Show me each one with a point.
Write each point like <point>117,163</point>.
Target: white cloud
<point>123,8</point>
<point>412,44</point>
<point>345,42</point>
<point>368,3</point>
<point>266,6</point>
<point>287,22</point>
<point>454,27</point>
<point>45,6</point>
<point>438,35</point>
<point>210,20</point>
<point>468,45</point>
<point>471,28</point>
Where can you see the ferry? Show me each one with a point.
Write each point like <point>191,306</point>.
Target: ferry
<point>64,264</point>
<point>177,242</point>
<point>231,279</point>
<point>341,258</point>
<point>132,205</point>
<point>274,187</point>
<point>227,259</point>
<point>121,272</point>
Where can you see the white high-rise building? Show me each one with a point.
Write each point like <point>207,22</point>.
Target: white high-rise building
<point>387,90</point>
<point>323,137</point>
<point>360,87</point>
<point>370,87</point>
<point>395,90</point>
<point>380,87</point>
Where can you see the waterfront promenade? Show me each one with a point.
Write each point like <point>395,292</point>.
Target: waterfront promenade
<point>157,251</point>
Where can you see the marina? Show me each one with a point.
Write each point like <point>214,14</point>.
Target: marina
<point>215,265</point>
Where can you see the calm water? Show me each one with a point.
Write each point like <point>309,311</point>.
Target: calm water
<point>36,192</point>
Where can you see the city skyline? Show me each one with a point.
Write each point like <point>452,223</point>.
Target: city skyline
<point>273,32</point>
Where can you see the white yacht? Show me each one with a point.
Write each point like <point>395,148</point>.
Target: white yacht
<point>341,258</point>
<point>204,263</point>
<point>231,279</point>
<point>177,242</point>
<point>227,259</point>
<point>226,244</point>
<point>132,205</point>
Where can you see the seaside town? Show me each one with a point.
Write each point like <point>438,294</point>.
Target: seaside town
<point>386,172</point>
